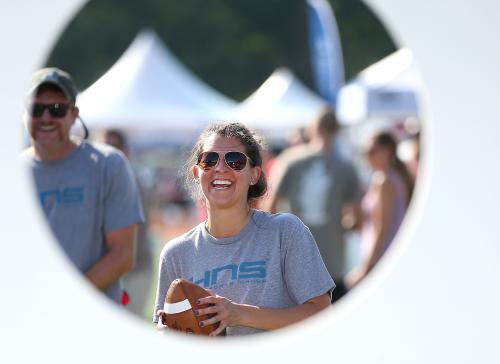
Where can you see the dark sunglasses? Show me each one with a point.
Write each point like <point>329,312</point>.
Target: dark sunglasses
<point>55,110</point>
<point>234,160</point>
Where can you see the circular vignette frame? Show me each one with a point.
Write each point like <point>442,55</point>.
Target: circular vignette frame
<point>436,296</point>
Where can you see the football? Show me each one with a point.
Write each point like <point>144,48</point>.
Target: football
<point>180,305</point>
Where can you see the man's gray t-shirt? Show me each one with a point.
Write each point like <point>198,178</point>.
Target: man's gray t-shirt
<point>85,196</point>
<point>273,262</point>
<point>317,186</point>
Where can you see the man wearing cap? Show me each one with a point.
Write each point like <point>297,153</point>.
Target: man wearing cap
<point>87,190</point>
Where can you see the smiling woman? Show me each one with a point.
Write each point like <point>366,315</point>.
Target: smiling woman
<point>250,259</point>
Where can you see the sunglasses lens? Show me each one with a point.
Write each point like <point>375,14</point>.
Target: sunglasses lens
<point>58,110</point>
<point>236,160</point>
<point>208,160</point>
<point>55,110</point>
<point>37,110</point>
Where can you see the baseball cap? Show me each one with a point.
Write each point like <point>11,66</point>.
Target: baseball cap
<point>57,77</point>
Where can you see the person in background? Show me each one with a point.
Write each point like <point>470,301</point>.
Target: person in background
<point>315,183</point>
<point>384,204</point>
<point>409,152</point>
<point>86,190</point>
<point>297,136</point>
<point>264,270</point>
<point>137,283</point>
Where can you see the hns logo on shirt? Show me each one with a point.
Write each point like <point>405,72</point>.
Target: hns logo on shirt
<point>244,272</point>
<point>65,196</point>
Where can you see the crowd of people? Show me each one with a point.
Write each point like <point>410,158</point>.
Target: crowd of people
<point>270,243</point>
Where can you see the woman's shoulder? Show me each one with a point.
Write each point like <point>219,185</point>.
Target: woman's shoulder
<point>387,185</point>
<point>387,180</point>
<point>291,230</point>
<point>279,219</point>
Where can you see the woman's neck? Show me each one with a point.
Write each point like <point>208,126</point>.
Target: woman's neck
<point>224,223</point>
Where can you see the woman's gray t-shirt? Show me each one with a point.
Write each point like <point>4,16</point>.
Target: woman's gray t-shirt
<point>273,262</point>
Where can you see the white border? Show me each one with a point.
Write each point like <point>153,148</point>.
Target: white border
<point>435,299</point>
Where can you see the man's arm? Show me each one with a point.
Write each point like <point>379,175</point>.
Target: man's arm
<point>119,259</point>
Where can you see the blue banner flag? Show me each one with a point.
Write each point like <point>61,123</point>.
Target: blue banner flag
<point>326,50</point>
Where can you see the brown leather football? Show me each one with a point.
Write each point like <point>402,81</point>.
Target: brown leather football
<point>180,304</point>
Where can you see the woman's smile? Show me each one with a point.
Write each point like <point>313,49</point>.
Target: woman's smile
<point>221,184</point>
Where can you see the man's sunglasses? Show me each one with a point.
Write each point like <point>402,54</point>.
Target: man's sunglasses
<point>234,160</point>
<point>55,110</point>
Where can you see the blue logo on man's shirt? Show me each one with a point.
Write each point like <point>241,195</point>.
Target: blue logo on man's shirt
<point>230,273</point>
<point>65,196</point>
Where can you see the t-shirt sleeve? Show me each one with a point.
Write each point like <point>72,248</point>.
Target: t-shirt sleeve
<point>304,271</point>
<point>165,277</point>
<point>122,202</point>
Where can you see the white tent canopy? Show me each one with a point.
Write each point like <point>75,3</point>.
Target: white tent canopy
<point>280,104</point>
<point>148,88</point>
<point>387,89</point>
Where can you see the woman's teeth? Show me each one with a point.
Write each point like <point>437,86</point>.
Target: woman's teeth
<point>221,183</point>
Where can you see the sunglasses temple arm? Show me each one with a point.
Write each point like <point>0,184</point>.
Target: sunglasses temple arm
<point>85,129</point>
